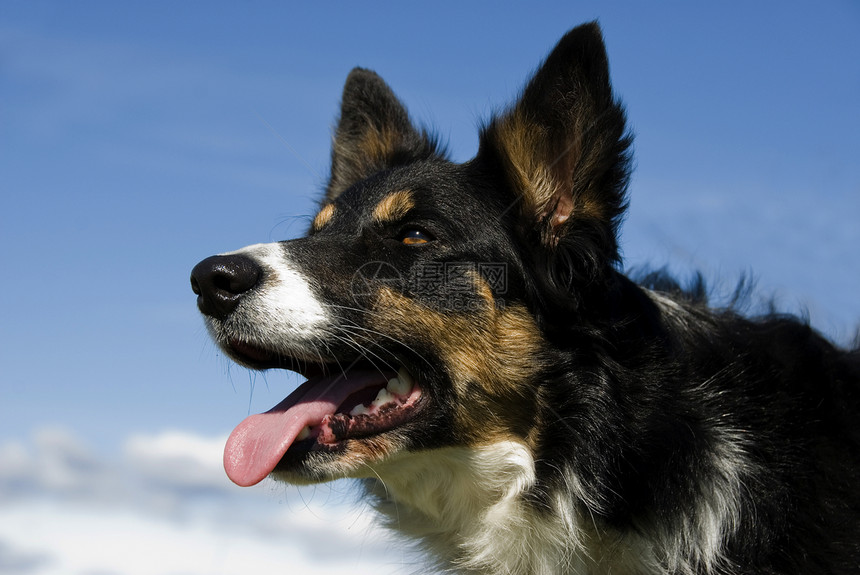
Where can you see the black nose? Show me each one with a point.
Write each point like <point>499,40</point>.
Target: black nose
<point>221,281</point>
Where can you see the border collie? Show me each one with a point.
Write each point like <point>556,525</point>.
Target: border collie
<point>507,396</point>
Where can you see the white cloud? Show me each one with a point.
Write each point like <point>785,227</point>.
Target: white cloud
<point>179,459</point>
<point>55,539</point>
<point>55,462</point>
<point>165,507</point>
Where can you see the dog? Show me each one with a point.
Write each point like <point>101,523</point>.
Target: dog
<point>507,396</point>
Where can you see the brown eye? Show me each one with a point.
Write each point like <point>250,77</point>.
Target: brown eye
<point>415,238</point>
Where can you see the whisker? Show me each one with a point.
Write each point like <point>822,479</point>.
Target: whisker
<point>386,336</point>
<point>364,351</point>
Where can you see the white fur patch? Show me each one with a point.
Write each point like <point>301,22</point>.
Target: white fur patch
<point>697,545</point>
<point>468,507</point>
<point>283,310</point>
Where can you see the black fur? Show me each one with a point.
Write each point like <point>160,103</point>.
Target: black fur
<point>699,441</point>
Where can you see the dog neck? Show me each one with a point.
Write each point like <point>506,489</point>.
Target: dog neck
<point>470,508</point>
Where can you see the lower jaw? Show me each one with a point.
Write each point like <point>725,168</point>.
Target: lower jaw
<point>304,466</point>
<point>351,458</point>
<point>345,442</point>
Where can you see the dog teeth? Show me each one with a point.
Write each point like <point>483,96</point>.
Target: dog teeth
<point>406,378</point>
<point>304,433</point>
<point>359,409</point>
<point>402,384</point>
<point>384,396</point>
<point>397,386</point>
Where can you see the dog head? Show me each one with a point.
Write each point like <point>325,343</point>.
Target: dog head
<point>425,302</point>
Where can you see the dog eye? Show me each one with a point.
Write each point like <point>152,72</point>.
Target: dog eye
<point>415,237</point>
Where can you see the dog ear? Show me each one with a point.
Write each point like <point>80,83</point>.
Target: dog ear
<point>564,150</point>
<point>373,133</point>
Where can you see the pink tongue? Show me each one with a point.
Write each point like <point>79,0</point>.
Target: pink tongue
<point>258,443</point>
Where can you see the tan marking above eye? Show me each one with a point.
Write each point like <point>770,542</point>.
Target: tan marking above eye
<point>323,217</point>
<point>393,206</point>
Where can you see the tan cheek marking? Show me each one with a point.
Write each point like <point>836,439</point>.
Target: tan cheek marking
<point>323,217</point>
<point>492,355</point>
<point>393,206</point>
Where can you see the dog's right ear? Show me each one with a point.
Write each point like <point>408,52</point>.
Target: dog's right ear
<point>373,133</point>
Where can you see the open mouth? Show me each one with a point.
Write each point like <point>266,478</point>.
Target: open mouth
<point>335,404</point>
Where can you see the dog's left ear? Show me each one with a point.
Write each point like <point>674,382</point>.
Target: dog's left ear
<point>564,150</point>
<point>373,133</point>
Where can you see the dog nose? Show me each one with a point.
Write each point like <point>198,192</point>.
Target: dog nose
<point>221,281</point>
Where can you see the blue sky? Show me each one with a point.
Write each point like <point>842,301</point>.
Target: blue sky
<point>136,140</point>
